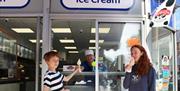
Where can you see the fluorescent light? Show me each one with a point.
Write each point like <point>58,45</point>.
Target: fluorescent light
<point>101,30</point>
<point>93,41</point>
<point>70,47</point>
<point>66,41</point>
<point>34,41</point>
<point>22,30</point>
<point>55,50</point>
<point>61,30</point>
<point>93,47</point>
<point>73,52</point>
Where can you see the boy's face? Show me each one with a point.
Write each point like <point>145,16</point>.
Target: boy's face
<point>53,62</point>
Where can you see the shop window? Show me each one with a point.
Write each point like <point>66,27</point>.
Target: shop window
<point>17,52</point>
<point>114,52</point>
<point>160,42</point>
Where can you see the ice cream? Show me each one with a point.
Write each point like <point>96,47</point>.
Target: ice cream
<point>79,63</point>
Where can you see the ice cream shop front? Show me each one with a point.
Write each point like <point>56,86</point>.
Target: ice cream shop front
<point>106,27</point>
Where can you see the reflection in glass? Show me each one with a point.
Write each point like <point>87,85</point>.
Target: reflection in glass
<point>72,39</point>
<point>114,53</point>
<point>160,42</point>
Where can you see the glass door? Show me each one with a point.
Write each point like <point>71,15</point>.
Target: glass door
<point>161,44</point>
<point>115,40</point>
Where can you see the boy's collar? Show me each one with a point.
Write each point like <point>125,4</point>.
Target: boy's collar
<point>51,71</point>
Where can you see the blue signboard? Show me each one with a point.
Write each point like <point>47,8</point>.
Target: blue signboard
<point>178,2</point>
<point>177,15</point>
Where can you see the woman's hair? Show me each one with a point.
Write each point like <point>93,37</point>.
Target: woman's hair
<point>143,64</point>
<point>51,54</point>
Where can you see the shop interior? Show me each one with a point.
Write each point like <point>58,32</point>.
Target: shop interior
<point>71,38</point>
<point>21,46</point>
<point>17,49</point>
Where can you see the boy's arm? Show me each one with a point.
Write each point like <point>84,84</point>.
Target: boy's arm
<point>67,78</point>
<point>45,88</point>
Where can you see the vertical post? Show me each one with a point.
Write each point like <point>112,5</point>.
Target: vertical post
<point>97,58</point>
<point>38,30</point>
<point>175,86</point>
<point>175,36</point>
<point>175,80</point>
<point>46,37</point>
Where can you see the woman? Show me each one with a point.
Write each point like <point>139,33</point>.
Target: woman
<point>140,74</point>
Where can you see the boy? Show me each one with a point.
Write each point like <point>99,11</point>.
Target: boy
<point>53,80</point>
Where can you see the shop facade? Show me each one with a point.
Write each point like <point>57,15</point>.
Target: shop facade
<point>109,27</point>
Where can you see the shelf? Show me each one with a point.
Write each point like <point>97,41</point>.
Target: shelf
<point>80,88</point>
<point>93,73</point>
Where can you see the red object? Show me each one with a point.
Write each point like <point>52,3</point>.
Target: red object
<point>163,12</point>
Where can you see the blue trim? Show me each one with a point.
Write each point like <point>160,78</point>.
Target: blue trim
<point>15,7</point>
<point>111,9</point>
<point>178,2</point>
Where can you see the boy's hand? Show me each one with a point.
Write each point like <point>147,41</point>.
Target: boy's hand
<point>79,69</point>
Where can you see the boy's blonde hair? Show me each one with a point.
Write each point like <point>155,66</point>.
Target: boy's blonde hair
<point>51,54</point>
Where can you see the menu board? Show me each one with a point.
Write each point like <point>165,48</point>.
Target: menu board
<point>21,51</point>
<point>14,49</point>
<point>18,50</point>
<point>1,43</point>
<point>10,46</point>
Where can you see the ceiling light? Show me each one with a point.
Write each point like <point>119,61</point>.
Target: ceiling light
<point>66,41</point>
<point>93,41</point>
<point>34,41</point>
<point>93,47</point>
<point>70,47</point>
<point>61,30</point>
<point>22,30</point>
<point>55,50</point>
<point>73,52</point>
<point>101,30</point>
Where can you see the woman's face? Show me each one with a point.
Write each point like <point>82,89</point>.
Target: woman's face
<point>136,53</point>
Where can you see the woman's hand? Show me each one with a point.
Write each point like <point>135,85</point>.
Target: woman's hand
<point>132,61</point>
<point>128,67</point>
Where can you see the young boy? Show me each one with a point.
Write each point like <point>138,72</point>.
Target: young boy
<point>53,80</point>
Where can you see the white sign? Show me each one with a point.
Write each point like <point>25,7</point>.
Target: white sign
<point>98,4</point>
<point>162,15</point>
<point>13,3</point>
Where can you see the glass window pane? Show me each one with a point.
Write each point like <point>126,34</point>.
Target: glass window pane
<point>160,42</point>
<point>73,39</point>
<point>15,65</point>
<point>114,52</point>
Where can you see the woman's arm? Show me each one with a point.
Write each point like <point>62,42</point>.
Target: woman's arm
<point>152,80</point>
<point>127,80</point>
